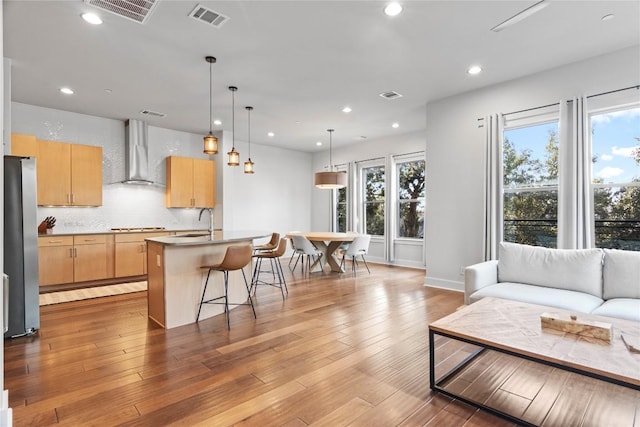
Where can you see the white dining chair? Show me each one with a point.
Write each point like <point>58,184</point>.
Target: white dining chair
<point>305,247</point>
<point>358,247</point>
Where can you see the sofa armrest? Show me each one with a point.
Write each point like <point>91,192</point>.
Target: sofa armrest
<point>478,276</point>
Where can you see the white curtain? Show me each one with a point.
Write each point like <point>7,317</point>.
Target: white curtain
<point>492,186</point>
<point>575,224</point>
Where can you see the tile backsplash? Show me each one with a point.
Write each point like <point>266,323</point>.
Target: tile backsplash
<point>126,206</point>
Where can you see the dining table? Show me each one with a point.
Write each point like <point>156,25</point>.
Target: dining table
<point>328,242</point>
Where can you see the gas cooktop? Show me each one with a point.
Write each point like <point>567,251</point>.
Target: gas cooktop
<point>136,229</point>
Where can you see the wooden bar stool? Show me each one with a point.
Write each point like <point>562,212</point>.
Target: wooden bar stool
<point>235,258</point>
<point>274,257</point>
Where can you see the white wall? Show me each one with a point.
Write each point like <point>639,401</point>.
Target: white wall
<point>277,197</point>
<point>454,151</point>
<point>263,201</point>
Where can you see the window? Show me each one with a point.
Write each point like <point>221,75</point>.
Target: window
<point>341,210</point>
<point>411,200</point>
<point>615,178</point>
<point>530,184</point>
<point>374,195</point>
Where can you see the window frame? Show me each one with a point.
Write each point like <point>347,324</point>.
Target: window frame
<point>398,161</point>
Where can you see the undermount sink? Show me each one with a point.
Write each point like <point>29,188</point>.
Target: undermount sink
<point>191,235</point>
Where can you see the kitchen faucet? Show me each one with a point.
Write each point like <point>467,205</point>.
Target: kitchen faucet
<point>210,220</point>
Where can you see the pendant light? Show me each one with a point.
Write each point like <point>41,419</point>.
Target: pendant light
<point>234,156</point>
<point>332,179</point>
<point>248,165</point>
<point>210,141</point>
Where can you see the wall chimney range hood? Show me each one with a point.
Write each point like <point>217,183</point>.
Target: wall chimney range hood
<point>136,153</point>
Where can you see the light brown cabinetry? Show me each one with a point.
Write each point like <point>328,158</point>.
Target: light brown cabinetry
<point>90,258</point>
<point>23,145</point>
<point>131,253</point>
<point>69,259</point>
<point>69,174</point>
<point>190,183</point>
<point>55,260</point>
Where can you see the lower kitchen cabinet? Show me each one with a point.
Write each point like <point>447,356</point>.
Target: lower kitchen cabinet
<point>90,258</point>
<point>55,260</point>
<point>70,259</point>
<point>131,253</point>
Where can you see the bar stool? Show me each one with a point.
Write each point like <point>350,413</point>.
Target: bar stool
<point>235,258</point>
<point>270,245</point>
<point>274,257</point>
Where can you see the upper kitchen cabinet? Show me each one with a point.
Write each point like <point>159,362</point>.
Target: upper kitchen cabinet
<point>190,183</point>
<point>69,174</point>
<point>23,145</point>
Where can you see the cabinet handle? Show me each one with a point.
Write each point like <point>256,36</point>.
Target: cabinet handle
<point>75,252</point>
<point>68,199</point>
<point>55,241</point>
<point>70,252</point>
<point>89,240</point>
<point>73,199</point>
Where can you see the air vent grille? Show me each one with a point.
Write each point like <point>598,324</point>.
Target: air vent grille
<point>390,95</point>
<point>208,16</point>
<point>152,113</point>
<point>134,10</point>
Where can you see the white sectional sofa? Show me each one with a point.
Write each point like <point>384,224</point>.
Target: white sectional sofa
<point>605,282</point>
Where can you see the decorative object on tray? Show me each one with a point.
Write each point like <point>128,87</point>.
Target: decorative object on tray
<point>46,226</point>
<point>632,342</point>
<point>573,325</point>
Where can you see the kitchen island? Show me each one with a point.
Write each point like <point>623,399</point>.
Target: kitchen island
<point>175,279</point>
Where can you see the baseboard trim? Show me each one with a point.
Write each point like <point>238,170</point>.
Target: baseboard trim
<point>451,285</point>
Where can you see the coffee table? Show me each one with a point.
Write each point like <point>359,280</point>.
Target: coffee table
<point>513,328</point>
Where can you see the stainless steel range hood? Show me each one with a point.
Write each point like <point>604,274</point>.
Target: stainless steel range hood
<point>136,153</point>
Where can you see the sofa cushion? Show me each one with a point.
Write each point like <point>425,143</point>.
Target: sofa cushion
<point>622,308</point>
<point>621,274</point>
<point>551,297</point>
<point>570,269</point>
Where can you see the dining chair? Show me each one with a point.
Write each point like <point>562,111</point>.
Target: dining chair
<point>305,247</point>
<point>235,258</point>
<point>274,257</point>
<point>358,247</point>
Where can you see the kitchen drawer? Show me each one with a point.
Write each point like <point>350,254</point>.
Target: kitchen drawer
<point>90,239</point>
<point>55,241</point>
<point>137,237</point>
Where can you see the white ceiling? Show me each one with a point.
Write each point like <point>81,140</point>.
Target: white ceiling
<point>296,62</point>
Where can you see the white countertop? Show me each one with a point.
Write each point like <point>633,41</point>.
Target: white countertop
<point>220,236</point>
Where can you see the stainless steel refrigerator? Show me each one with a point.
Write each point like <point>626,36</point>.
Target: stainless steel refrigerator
<point>21,246</point>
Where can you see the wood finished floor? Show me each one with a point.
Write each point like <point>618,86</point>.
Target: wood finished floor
<point>340,350</point>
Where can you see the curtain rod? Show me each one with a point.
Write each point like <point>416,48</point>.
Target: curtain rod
<point>614,91</point>
<point>557,103</point>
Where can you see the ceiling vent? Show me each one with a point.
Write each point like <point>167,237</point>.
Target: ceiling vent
<point>208,16</point>
<point>390,95</point>
<point>152,113</point>
<point>134,10</point>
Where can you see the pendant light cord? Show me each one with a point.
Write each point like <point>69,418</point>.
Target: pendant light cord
<point>249,130</point>
<point>233,117</point>
<point>210,101</point>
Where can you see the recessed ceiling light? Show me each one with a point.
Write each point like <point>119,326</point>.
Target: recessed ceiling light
<point>346,109</point>
<point>393,9</point>
<point>271,134</point>
<point>608,17</point>
<point>396,125</point>
<point>92,18</point>
<point>66,90</point>
<point>319,143</point>
<point>108,90</point>
<point>475,69</point>
<point>217,122</point>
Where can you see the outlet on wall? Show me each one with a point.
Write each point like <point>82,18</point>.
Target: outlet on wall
<point>462,267</point>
